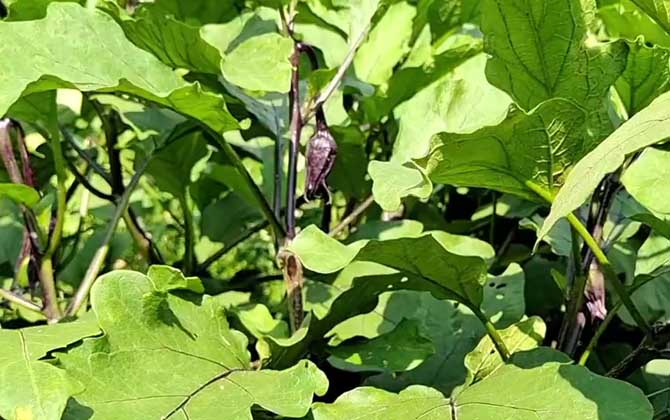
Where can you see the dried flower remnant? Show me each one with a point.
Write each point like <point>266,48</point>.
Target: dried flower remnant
<point>321,154</point>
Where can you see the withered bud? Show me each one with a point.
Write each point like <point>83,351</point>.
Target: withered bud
<point>321,154</point>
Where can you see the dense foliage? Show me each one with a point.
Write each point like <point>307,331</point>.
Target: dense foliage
<point>334,209</point>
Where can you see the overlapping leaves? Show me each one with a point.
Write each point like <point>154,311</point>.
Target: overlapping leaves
<point>170,354</point>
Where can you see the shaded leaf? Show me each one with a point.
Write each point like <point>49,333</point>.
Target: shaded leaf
<point>402,349</point>
<point>425,258</point>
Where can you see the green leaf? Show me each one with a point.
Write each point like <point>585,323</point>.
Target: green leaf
<point>196,12</point>
<point>545,392</point>
<point>351,165</point>
<point>625,19</point>
<point>533,148</point>
<point>392,181</point>
<point>452,328</point>
<point>33,388</point>
<point>247,65</point>
<point>646,180</point>
<point>649,126</point>
<point>484,360</point>
<point>375,404</point>
<point>165,278</point>
<point>171,167</point>
<point>402,349</point>
<point>192,364</point>
<point>560,237</point>
<point>240,215</point>
<point>386,44</point>
<point>432,109</point>
<point>538,47</point>
<point>407,82</point>
<point>175,43</point>
<point>48,62</point>
<point>424,257</point>
<point>504,299</point>
<point>647,75</point>
<point>19,193</point>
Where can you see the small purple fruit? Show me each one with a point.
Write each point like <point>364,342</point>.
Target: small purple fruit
<point>321,154</point>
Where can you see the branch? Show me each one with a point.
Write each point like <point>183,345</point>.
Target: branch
<point>228,247</point>
<point>337,79</point>
<point>189,234</point>
<point>96,264</point>
<point>296,130</point>
<point>84,155</point>
<point>344,223</point>
<point>18,300</point>
<point>86,184</point>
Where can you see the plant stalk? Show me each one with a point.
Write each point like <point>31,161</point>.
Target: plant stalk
<point>493,333</point>
<point>605,265</point>
<point>18,300</point>
<point>189,231</point>
<point>98,261</point>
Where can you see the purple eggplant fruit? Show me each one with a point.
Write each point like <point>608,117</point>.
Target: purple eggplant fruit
<point>321,154</point>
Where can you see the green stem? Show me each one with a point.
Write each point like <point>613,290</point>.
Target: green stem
<point>189,253</point>
<point>140,240</point>
<point>576,298</point>
<point>493,333</point>
<point>18,300</point>
<point>96,264</point>
<point>46,276</point>
<point>61,195</point>
<point>605,264</point>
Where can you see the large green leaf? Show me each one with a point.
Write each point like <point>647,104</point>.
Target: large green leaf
<point>452,328</point>
<point>192,365</point>
<point>247,65</point>
<point>172,41</point>
<point>35,60</point>
<point>433,109</point>
<point>424,257</point>
<point>392,181</point>
<point>547,391</point>
<point>538,47</point>
<point>33,388</point>
<point>538,148</point>
<point>504,300</point>
<point>197,12</point>
<point>657,10</point>
<point>649,126</point>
